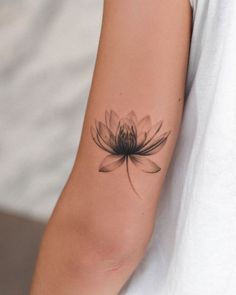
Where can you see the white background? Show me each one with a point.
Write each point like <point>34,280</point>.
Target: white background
<point>48,50</point>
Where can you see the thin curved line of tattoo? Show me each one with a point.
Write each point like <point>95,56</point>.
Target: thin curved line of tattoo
<point>130,181</point>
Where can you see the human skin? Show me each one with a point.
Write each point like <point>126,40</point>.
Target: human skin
<point>101,227</point>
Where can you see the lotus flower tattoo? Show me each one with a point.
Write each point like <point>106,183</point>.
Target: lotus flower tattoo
<point>128,140</point>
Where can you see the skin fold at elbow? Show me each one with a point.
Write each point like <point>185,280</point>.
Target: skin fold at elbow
<point>93,247</point>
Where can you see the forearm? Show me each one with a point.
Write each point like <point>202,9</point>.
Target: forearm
<point>90,249</point>
<point>104,219</point>
<point>93,246</point>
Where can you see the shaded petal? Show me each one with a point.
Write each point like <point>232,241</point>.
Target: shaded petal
<point>141,138</point>
<point>144,124</point>
<point>98,141</point>
<point>113,121</point>
<point>111,162</point>
<point>94,136</point>
<point>105,146</point>
<point>132,116</point>
<point>129,124</point>
<point>151,135</point>
<point>153,131</point>
<point>117,132</point>
<point>105,134</point>
<point>156,146</point>
<point>107,118</point>
<point>145,164</point>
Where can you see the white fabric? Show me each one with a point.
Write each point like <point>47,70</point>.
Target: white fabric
<point>48,50</point>
<point>193,248</point>
<point>192,3</point>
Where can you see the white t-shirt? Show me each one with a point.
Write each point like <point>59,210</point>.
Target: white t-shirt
<point>193,248</point>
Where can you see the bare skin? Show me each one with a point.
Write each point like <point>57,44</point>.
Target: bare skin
<point>103,221</point>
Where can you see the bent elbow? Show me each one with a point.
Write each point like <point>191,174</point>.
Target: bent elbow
<point>96,249</point>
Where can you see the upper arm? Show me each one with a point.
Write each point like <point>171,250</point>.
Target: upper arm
<point>140,70</point>
<point>106,212</point>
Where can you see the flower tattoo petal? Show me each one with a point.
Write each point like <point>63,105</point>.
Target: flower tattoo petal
<point>155,145</point>
<point>146,165</point>
<point>111,162</point>
<point>128,138</point>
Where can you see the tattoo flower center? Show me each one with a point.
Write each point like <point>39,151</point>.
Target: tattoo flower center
<point>128,140</point>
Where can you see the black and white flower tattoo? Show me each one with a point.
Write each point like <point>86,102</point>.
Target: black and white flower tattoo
<point>128,140</point>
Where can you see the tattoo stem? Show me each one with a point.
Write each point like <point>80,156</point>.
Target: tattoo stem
<point>130,181</point>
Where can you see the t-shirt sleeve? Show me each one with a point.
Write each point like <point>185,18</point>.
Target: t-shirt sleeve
<point>192,2</point>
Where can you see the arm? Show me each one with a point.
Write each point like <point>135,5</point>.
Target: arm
<point>104,219</point>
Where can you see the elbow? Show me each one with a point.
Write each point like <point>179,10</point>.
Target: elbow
<point>100,248</point>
